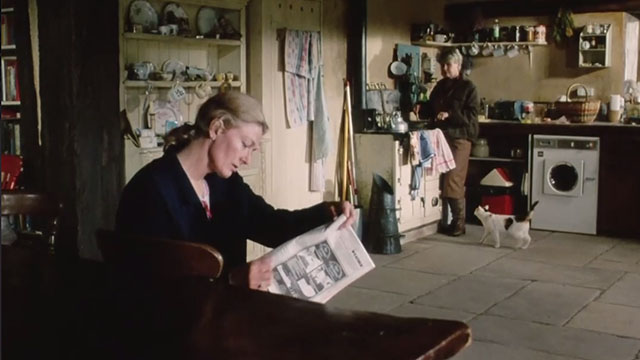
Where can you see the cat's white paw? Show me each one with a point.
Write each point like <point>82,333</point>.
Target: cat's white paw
<point>496,245</point>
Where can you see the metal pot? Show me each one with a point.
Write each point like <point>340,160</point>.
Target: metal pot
<point>397,124</point>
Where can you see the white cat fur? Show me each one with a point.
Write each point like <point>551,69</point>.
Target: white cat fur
<point>496,224</point>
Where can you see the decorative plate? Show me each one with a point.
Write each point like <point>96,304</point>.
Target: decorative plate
<point>175,14</point>
<point>165,113</point>
<point>142,13</point>
<point>207,21</point>
<point>175,67</point>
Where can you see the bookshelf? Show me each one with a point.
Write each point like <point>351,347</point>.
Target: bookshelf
<point>10,98</point>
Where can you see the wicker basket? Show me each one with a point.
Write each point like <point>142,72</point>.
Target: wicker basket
<point>578,111</point>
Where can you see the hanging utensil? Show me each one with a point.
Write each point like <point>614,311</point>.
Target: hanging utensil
<point>345,145</point>
<point>351,148</point>
<point>146,121</point>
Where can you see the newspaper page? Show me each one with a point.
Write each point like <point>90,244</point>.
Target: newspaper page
<point>319,263</point>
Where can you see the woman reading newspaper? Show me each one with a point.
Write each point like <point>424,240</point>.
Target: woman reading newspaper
<point>194,192</point>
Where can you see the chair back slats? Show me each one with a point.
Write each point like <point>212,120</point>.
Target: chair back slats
<point>161,258</point>
<point>42,207</point>
<point>29,203</point>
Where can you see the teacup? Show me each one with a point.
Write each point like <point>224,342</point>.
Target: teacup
<point>512,51</point>
<point>164,30</point>
<point>487,49</point>
<point>498,51</point>
<point>203,90</point>
<point>173,29</point>
<point>474,49</point>
<point>176,93</point>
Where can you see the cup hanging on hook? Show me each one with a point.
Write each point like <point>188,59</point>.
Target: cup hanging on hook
<point>176,93</point>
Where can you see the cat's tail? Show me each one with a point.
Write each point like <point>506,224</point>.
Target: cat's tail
<point>529,215</point>
<point>533,206</point>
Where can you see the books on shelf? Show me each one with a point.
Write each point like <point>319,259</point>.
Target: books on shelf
<point>10,83</point>
<point>11,138</point>
<point>7,34</point>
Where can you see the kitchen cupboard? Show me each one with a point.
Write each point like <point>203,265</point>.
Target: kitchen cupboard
<point>142,100</point>
<point>388,155</point>
<point>515,166</point>
<point>595,46</point>
<point>618,190</point>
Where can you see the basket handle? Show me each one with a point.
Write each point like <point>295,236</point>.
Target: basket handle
<point>586,91</point>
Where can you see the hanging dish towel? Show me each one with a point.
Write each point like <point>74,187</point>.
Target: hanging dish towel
<point>321,133</point>
<point>304,96</point>
<point>422,154</point>
<point>443,160</point>
<point>298,82</point>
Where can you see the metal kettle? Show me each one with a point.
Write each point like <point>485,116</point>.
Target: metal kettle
<point>398,125</point>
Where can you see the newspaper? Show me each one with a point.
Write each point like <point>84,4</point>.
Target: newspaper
<point>319,263</point>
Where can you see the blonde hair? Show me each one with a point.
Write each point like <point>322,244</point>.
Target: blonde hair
<point>232,108</point>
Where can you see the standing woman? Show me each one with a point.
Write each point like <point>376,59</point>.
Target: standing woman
<point>194,192</point>
<point>454,107</point>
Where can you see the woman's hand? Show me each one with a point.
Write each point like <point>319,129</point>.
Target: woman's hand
<point>254,275</point>
<point>442,115</point>
<point>338,208</point>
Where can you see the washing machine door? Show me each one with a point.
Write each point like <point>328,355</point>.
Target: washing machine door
<point>563,177</point>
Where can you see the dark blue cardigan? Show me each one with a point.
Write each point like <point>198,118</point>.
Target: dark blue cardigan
<point>159,201</point>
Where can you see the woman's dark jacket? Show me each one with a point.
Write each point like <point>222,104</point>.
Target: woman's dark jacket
<point>160,201</point>
<point>459,98</point>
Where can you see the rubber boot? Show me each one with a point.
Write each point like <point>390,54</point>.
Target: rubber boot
<point>457,218</point>
<point>443,224</point>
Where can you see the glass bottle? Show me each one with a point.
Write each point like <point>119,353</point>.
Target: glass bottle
<point>496,30</point>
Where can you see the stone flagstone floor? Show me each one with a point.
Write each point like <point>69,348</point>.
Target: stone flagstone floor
<point>566,297</point>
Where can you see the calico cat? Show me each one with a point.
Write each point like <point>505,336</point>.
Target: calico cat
<point>495,224</point>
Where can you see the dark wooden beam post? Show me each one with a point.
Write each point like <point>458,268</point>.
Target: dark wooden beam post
<point>81,142</point>
<point>357,59</point>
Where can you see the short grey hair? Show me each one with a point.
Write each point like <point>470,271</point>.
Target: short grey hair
<point>449,55</point>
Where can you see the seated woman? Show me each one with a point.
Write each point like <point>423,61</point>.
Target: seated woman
<point>194,192</point>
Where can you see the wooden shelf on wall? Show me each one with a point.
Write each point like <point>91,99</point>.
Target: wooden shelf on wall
<point>182,39</point>
<point>496,159</point>
<point>168,84</point>
<point>447,44</point>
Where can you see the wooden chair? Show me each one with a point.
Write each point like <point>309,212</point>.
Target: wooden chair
<point>160,258</point>
<point>38,208</point>
<point>11,169</point>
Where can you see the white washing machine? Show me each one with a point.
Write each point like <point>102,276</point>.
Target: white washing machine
<point>564,179</point>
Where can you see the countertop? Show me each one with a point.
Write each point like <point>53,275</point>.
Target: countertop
<point>554,128</point>
<point>553,123</point>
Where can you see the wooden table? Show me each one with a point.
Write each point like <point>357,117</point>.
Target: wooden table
<point>80,316</point>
